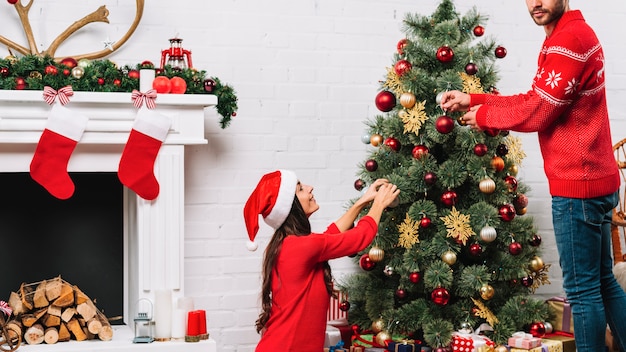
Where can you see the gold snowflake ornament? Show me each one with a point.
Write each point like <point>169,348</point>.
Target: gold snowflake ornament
<point>458,226</point>
<point>393,82</point>
<point>485,313</point>
<point>408,233</point>
<point>540,277</point>
<point>471,84</point>
<point>414,118</point>
<point>514,145</point>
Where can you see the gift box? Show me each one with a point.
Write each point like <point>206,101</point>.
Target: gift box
<point>333,336</point>
<point>374,349</point>
<point>564,320</point>
<point>523,340</point>
<point>357,349</point>
<point>535,349</point>
<point>345,330</point>
<point>336,348</point>
<point>464,342</point>
<point>568,342</point>
<point>551,345</point>
<point>404,346</point>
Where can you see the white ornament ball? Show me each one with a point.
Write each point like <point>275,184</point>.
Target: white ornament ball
<point>487,185</point>
<point>78,72</point>
<point>488,234</point>
<point>365,138</point>
<point>439,97</point>
<point>548,327</point>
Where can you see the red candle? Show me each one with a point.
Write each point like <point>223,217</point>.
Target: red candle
<point>193,323</point>
<point>202,327</point>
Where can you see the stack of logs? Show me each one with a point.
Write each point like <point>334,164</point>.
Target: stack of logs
<point>54,311</point>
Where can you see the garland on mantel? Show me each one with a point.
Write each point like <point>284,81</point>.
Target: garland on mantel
<point>32,72</point>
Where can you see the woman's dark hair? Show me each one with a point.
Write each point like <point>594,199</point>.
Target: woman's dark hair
<point>297,223</point>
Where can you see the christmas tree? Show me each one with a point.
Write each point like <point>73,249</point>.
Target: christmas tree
<point>456,251</point>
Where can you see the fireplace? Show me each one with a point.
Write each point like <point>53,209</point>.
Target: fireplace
<point>153,231</point>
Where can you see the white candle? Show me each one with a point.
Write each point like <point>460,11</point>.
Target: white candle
<point>163,314</point>
<point>185,303</point>
<point>179,323</point>
<point>146,76</point>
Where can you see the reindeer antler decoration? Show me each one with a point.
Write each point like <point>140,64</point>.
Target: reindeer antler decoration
<point>100,15</point>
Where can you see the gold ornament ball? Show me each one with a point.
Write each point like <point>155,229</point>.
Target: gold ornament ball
<point>520,211</point>
<point>461,121</point>
<point>376,140</point>
<point>376,254</point>
<point>78,72</point>
<point>377,326</point>
<point>488,234</point>
<point>500,348</point>
<point>449,257</point>
<point>382,337</point>
<point>487,185</point>
<point>536,264</point>
<point>84,63</point>
<point>407,100</point>
<point>487,292</point>
<point>513,169</point>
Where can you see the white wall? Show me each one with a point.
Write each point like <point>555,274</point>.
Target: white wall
<point>306,73</point>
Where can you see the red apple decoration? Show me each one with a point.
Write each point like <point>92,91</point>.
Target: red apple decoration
<point>162,84</point>
<point>179,85</point>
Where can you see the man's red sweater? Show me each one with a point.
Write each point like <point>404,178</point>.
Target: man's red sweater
<point>567,107</point>
<point>299,297</point>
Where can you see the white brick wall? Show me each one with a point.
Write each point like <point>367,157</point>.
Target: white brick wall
<point>306,73</point>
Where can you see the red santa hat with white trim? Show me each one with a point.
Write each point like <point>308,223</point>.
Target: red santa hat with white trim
<point>272,198</point>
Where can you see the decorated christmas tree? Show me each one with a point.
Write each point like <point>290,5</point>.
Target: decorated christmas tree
<point>456,252</point>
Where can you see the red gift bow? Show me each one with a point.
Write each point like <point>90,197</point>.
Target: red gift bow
<point>5,308</point>
<point>148,97</point>
<point>64,94</point>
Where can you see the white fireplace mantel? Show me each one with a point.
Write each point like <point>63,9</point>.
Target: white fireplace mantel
<point>154,230</point>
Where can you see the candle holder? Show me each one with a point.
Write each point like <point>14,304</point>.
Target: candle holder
<point>144,326</point>
<point>175,56</point>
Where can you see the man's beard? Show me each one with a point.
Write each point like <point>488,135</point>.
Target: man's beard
<point>549,16</point>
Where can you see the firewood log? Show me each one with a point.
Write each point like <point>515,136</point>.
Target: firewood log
<point>68,313</point>
<point>14,327</point>
<point>106,331</point>
<point>64,333</point>
<point>80,296</point>
<point>86,310</point>
<point>53,288</point>
<point>34,335</point>
<point>66,298</point>
<point>26,296</point>
<point>51,336</point>
<point>54,310</point>
<point>49,320</point>
<point>15,301</point>
<point>76,329</point>
<point>39,298</point>
<point>29,319</point>
<point>94,325</point>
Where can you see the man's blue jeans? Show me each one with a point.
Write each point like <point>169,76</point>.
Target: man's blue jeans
<point>582,228</point>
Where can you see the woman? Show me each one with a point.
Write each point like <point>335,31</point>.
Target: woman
<point>297,283</point>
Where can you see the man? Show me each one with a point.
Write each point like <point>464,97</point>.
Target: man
<point>567,108</point>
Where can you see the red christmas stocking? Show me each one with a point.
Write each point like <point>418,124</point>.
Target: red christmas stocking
<point>62,132</point>
<point>136,168</point>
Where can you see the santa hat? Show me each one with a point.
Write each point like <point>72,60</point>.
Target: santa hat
<point>272,198</point>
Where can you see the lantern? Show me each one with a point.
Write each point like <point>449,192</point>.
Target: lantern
<point>144,326</point>
<point>175,56</point>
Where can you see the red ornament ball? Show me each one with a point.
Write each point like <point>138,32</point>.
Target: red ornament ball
<point>20,83</point>
<point>344,306</point>
<point>401,45</point>
<point>366,262</point>
<point>401,293</point>
<point>492,132</point>
<point>419,151</point>
<point>4,71</point>
<point>471,69</point>
<point>440,296</point>
<point>515,248</point>
<point>479,31</point>
<point>507,212</point>
<point>476,249</point>
<point>500,52</point>
<point>146,64</point>
<point>512,184</point>
<point>430,178</point>
<point>393,143</point>
<point>527,281</point>
<point>66,72</point>
<point>445,54</point>
<point>51,70</point>
<point>385,101</point>
<point>117,82</point>
<point>448,198</point>
<point>359,184</point>
<point>402,66</point>
<point>179,85</point>
<point>480,149</point>
<point>70,62</point>
<point>520,201</point>
<point>415,277</point>
<point>502,149</point>
<point>425,222</point>
<point>371,165</point>
<point>133,74</point>
<point>12,2</point>
<point>444,124</point>
<point>535,240</point>
<point>100,81</point>
<point>162,84</point>
<point>209,85</point>
<point>537,329</point>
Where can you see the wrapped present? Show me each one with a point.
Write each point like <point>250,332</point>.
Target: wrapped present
<point>568,342</point>
<point>336,348</point>
<point>564,320</point>
<point>333,336</point>
<point>551,345</point>
<point>357,349</point>
<point>365,340</point>
<point>536,349</point>
<point>345,329</point>
<point>404,346</point>
<point>374,349</point>
<point>523,340</point>
<point>465,342</point>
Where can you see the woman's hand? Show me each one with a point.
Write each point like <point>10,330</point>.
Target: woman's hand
<point>386,194</point>
<point>370,194</point>
<point>454,100</point>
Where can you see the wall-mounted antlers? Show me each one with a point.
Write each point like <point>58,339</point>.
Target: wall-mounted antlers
<point>100,15</point>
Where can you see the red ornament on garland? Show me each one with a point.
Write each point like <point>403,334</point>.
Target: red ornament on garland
<point>12,2</point>
<point>448,198</point>
<point>479,31</point>
<point>371,165</point>
<point>393,143</point>
<point>515,248</point>
<point>4,71</point>
<point>117,82</point>
<point>401,45</point>
<point>480,149</point>
<point>419,151</point>
<point>401,293</point>
<point>209,85</point>
<point>101,81</point>
<point>444,124</point>
<point>500,52</point>
<point>162,84</point>
<point>445,54</point>
<point>471,69</point>
<point>70,62</point>
<point>179,85</point>
<point>146,64</point>
<point>402,66</point>
<point>537,329</point>
<point>385,101</point>
<point>425,222</point>
<point>366,263</point>
<point>133,74</point>
<point>507,212</point>
<point>51,70</point>
<point>20,83</point>
<point>440,296</point>
<point>66,72</point>
<point>415,277</point>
